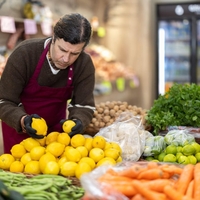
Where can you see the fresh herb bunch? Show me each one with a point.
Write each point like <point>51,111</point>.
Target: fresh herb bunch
<point>180,106</point>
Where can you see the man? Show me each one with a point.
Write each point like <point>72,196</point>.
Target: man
<point>41,75</point>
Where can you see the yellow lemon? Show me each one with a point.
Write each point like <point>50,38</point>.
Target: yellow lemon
<point>18,150</point>
<point>107,145</point>
<point>106,161</point>
<point>88,143</point>
<point>115,146</point>
<point>47,157</point>
<point>6,160</point>
<point>68,168</point>
<point>26,158</point>
<point>98,142</point>
<point>73,154</point>
<point>63,138</point>
<point>37,152</point>
<point>52,137</point>
<point>32,167</point>
<point>89,161</point>
<point>77,140</point>
<point>17,166</point>
<point>52,167</point>
<point>40,125</point>
<point>119,159</point>
<point>68,125</point>
<point>55,148</point>
<point>42,141</point>
<point>81,169</point>
<point>83,150</point>
<point>62,160</point>
<point>96,154</point>
<point>112,153</point>
<point>29,143</point>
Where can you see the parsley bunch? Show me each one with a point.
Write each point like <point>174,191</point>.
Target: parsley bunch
<point>180,106</point>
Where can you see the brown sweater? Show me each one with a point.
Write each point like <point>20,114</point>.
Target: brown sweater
<point>19,69</point>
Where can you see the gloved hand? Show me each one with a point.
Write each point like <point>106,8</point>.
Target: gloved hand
<point>77,129</point>
<point>29,130</point>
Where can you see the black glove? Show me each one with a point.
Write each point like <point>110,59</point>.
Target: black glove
<point>77,129</point>
<point>29,130</point>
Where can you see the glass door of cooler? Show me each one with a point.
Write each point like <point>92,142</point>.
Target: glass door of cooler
<point>174,53</point>
<point>198,51</point>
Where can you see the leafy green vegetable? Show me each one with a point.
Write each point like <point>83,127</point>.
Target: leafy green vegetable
<point>180,106</point>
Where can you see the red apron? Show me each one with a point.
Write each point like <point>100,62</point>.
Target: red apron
<point>49,103</point>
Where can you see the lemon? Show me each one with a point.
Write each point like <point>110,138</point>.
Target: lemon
<point>183,160</point>
<point>42,141</point>
<point>26,158</point>
<point>63,138</point>
<point>196,146</point>
<point>52,137</point>
<point>62,160</point>
<point>98,142</point>
<point>88,143</point>
<point>179,149</point>
<point>188,150</point>
<point>83,150</point>
<point>115,146</point>
<point>32,167</point>
<point>107,145</point>
<point>73,154</point>
<point>197,155</point>
<point>6,160</point>
<point>29,143</point>
<point>119,159</point>
<point>161,156</point>
<point>96,154</point>
<point>81,169</point>
<point>47,157</point>
<point>77,140</point>
<point>89,161</point>
<point>171,149</point>
<point>192,159</point>
<point>40,125</point>
<point>106,161</point>
<point>112,153</point>
<point>52,167</point>
<point>37,152</point>
<point>55,148</point>
<point>169,158</point>
<point>178,155</point>
<point>68,168</point>
<point>18,150</point>
<point>17,166</point>
<point>68,125</point>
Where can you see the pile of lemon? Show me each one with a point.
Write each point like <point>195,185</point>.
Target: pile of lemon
<point>57,153</point>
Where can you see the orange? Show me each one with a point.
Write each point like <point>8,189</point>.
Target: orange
<point>52,137</point>
<point>81,169</point>
<point>98,142</point>
<point>26,158</point>
<point>68,125</point>
<point>96,154</point>
<point>55,148</point>
<point>32,167</point>
<point>6,160</point>
<point>17,166</point>
<point>18,150</point>
<point>68,168</point>
<point>83,150</point>
<point>52,167</point>
<point>88,143</point>
<point>47,157</point>
<point>37,152</point>
<point>77,140</point>
<point>63,138</point>
<point>40,125</point>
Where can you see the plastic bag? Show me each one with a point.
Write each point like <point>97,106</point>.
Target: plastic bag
<point>129,133</point>
<point>179,137</point>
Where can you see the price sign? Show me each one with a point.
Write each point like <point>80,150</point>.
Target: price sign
<point>8,24</point>
<point>46,27</point>
<point>30,27</point>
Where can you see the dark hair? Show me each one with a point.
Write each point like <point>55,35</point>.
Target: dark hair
<point>73,28</point>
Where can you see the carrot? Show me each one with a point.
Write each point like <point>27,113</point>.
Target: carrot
<point>152,165</point>
<point>172,169</point>
<point>158,185</point>
<point>138,197</point>
<point>172,193</point>
<point>190,189</point>
<point>151,174</point>
<point>107,177</point>
<point>185,178</point>
<point>187,198</point>
<point>147,193</point>
<point>197,181</point>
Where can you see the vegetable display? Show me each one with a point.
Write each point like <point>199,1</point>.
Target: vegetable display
<point>177,107</point>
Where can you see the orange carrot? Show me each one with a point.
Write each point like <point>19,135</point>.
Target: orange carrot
<point>152,165</point>
<point>197,181</point>
<point>187,198</point>
<point>150,174</point>
<point>158,185</point>
<point>113,178</point>
<point>185,178</point>
<point>190,189</point>
<point>172,193</point>
<point>138,197</point>
<point>147,193</point>
<point>172,169</point>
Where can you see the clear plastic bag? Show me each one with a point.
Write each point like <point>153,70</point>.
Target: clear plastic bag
<point>129,133</point>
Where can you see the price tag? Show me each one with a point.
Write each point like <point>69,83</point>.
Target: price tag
<point>8,24</point>
<point>30,27</point>
<point>46,27</point>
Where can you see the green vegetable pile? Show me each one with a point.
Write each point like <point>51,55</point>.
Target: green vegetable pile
<point>41,187</point>
<point>180,106</point>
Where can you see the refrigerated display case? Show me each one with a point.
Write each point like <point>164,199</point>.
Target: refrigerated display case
<point>178,44</point>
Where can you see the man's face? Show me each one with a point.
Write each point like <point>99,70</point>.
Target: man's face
<point>63,54</point>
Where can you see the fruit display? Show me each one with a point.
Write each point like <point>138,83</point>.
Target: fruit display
<point>107,112</point>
